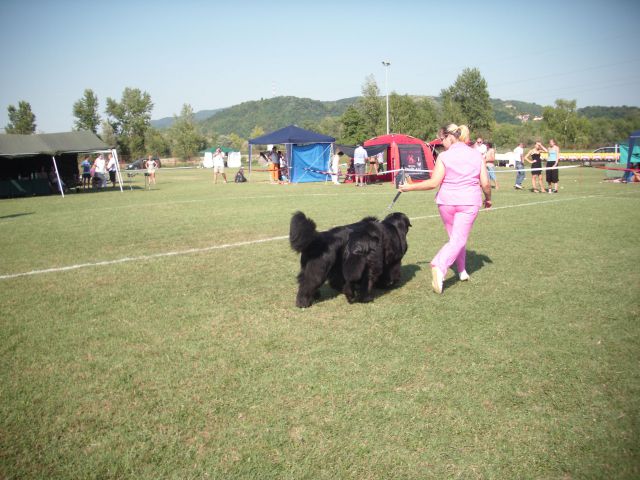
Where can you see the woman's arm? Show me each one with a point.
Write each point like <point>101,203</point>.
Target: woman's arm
<point>527,157</point>
<point>434,182</point>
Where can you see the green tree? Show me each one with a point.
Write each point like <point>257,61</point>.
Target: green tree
<point>417,118</point>
<point>21,119</point>
<point>130,118</point>
<point>467,101</point>
<point>353,129</point>
<point>563,124</point>
<point>156,143</point>
<point>107,135</point>
<point>371,109</point>
<point>186,140</point>
<point>86,112</point>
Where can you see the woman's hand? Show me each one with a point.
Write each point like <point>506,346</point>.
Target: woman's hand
<point>487,203</point>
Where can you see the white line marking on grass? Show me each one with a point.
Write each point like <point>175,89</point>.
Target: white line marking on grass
<point>488,210</point>
<point>238,244</point>
<point>140,258</point>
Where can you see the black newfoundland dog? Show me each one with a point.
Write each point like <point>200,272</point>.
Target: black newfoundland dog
<point>353,258</point>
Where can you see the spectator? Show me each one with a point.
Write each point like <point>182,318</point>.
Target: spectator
<point>86,172</point>
<point>534,157</point>
<point>489,161</point>
<point>100,177</point>
<point>274,166</point>
<point>151,165</point>
<point>218,166</point>
<point>335,167</point>
<point>480,146</point>
<point>462,177</point>
<point>359,161</point>
<point>518,153</point>
<point>552,166</point>
<point>112,169</point>
<point>380,157</point>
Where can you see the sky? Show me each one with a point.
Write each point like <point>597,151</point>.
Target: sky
<point>219,53</point>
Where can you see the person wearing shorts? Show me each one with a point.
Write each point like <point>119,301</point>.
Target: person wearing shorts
<point>218,166</point>
<point>489,161</point>
<point>86,172</point>
<point>359,163</point>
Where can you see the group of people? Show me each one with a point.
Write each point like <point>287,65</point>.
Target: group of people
<point>95,174</point>
<point>534,158</point>
<point>361,160</point>
<point>101,171</point>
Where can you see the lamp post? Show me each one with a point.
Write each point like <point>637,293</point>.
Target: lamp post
<point>386,86</point>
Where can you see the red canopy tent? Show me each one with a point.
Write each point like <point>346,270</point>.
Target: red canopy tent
<point>405,151</point>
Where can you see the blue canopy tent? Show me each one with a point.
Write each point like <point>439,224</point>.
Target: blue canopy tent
<point>307,152</point>
<point>631,156</point>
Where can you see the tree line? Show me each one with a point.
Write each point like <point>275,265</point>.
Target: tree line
<point>127,122</point>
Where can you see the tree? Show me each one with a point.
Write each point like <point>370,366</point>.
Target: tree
<point>467,101</point>
<point>156,143</point>
<point>186,140</point>
<point>371,110</point>
<point>563,124</point>
<point>353,130</point>
<point>130,118</point>
<point>21,119</point>
<point>86,112</point>
<point>417,118</point>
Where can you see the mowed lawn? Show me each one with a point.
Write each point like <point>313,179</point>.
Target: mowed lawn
<point>153,334</point>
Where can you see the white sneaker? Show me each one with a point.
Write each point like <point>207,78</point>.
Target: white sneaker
<point>436,279</point>
<point>463,276</point>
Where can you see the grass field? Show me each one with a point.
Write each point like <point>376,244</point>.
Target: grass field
<point>153,334</point>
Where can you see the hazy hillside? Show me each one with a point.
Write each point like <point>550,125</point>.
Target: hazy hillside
<point>278,112</point>
<point>166,122</point>
<point>271,114</point>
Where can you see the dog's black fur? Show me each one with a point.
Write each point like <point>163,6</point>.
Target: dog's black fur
<point>353,258</point>
<point>373,256</point>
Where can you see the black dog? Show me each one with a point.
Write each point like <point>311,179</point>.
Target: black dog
<point>323,256</point>
<point>373,256</point>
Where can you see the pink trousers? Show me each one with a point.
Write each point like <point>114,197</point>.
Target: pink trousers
<point>458,220</point>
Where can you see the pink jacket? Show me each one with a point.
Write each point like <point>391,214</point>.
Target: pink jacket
<point>461,183</point>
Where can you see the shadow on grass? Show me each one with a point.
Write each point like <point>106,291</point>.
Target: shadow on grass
<point>15,215</point>
<point>475,261</point>
<point>408,273</point>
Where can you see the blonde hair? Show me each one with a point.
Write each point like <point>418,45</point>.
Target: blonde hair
<point>461,132</point>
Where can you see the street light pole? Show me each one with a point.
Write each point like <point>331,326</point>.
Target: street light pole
<point>386,83</point>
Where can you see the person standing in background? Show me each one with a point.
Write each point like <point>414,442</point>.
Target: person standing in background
<point>335,167</point>
<point>359,162</point>
<point>552,166</point>
<point>518,153</point>
<point>218,166</point>
<point>489,161</point>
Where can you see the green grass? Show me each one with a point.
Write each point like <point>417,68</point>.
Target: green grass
<point>198,364</point>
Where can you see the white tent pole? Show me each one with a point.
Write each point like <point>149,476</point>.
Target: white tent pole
<point>118,174</point>
<point>55,166</point>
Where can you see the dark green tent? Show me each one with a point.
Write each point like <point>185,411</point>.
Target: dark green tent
<point>22,156</point>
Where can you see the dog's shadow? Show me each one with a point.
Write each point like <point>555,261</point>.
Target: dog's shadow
<point>408,273</point>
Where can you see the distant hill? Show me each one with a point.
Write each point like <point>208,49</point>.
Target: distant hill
<point>278,112</point>
<point>166,122</point>
<point>273,113</point>
<point>609,112</point>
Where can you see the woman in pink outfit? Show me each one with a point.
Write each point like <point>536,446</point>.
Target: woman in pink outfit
<point>462,177</point>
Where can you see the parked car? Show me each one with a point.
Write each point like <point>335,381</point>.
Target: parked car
<point>139,164</point>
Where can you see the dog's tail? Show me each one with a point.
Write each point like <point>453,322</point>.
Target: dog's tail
<point>302,232</point>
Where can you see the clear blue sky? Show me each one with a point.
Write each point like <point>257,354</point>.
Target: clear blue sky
<point>215,54</point>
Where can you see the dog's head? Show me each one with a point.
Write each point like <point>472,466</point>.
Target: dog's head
<point>399,221</point>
